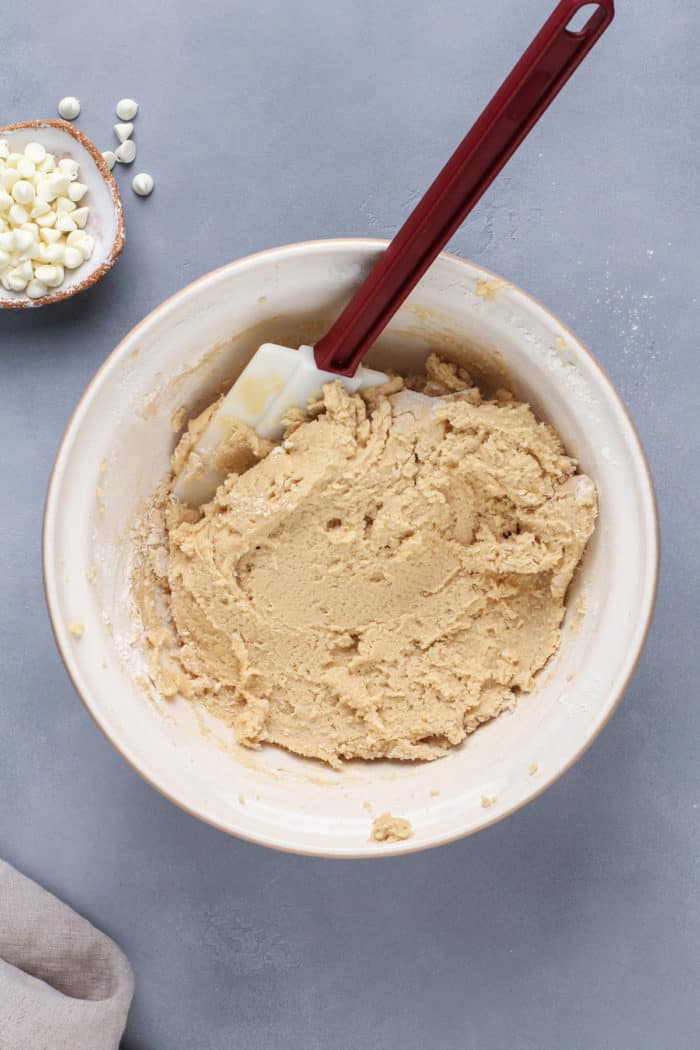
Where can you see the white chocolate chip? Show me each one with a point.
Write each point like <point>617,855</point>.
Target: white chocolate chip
<point>65,223</point>
<point>123,131</point>
<point>49,275</point>
<point>126,153</point>
<point>76,191</point>
<point>73,258</point>
<point>86,246</point>
<point>109,158</point>
<point>142,184</point>
<point>23,192</point>
<point>127,109</point>
<point>69,107</point>
<point>18,215</point>
<point>35,289</point>
<point>15,281</point>
<point>69,167</point>
<point>4,149</point>
<point>26,168</point>
<point>9,177</point>
<point>80,217</point>
<point>49,236</point>
<point>47,165</point>
<point>40,208</point>
<point>59,183</point>
<point>65,204</point>
<point>35,152</point>
<point>44,191</point>
<point>46,220</point>
<point>54,253</point>
<point>23,240</point>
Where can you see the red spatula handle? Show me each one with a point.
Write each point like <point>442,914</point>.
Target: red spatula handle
<point>516,107</point>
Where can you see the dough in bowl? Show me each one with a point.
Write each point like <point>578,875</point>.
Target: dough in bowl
<point>388,578</point>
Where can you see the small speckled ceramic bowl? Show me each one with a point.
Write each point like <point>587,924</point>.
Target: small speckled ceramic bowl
<point>116,451</point>
<point>105,221</point>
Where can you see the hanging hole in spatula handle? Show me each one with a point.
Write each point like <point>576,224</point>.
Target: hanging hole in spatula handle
<point>586,18</point>
<point>511,114</point>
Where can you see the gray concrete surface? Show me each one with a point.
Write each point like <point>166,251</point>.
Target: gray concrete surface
<point>574,924</point>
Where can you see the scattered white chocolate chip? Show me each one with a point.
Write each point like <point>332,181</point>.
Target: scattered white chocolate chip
<point>42,229</point>
<point>69,107</point>
<point>142,184</point>
<point>76,629</point>
<point>109,158</point>
<point>127,109</point>
<point>123,131</point>
<point>126,153</point>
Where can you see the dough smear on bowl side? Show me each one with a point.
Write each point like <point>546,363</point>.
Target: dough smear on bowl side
<point>389,577</point>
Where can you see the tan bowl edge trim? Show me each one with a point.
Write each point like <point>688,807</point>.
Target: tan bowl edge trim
<point>405,847</point>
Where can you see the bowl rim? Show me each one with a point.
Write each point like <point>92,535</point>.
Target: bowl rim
<point>24,302</point>
<point>406,846</point>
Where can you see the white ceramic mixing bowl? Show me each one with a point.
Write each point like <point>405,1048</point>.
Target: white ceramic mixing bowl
<point>116,451</point>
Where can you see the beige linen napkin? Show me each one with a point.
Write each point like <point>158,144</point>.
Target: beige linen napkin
<point>63,984</point>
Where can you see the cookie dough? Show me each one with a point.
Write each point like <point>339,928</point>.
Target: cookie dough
<point>384,581</point>
<point>390,829</point>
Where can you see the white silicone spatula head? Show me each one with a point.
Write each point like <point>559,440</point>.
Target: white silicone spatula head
<point>274,380</point>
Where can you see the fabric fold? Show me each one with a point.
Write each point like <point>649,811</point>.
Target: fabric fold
<point>64,985</point>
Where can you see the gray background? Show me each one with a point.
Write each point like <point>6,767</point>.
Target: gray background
<point>575,923</point>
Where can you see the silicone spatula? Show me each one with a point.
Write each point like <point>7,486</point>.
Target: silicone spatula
<point>279,377</point>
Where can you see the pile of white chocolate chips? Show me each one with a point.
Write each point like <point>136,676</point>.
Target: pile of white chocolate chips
<point>42,219</point>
